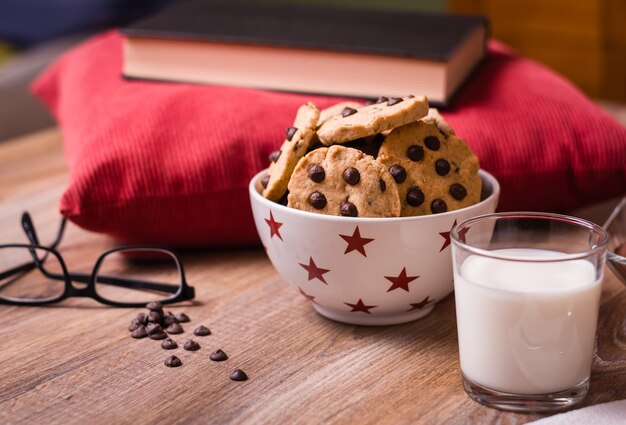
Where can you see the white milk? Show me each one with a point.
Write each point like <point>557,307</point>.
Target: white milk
<point>526,328</point>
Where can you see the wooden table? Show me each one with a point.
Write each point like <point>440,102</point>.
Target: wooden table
<point>75,362</point>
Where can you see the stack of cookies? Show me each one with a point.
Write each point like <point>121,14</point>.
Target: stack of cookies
<point>391,158</point>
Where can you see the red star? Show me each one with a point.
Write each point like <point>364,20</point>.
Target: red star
<point>420,305</point>
<point>307,296</point>
<point>446,236</point>
<point>360,306</point>
<point>314,271</point>
<point>274,226</point>
<point>356,242</point>
<point>401,281</point>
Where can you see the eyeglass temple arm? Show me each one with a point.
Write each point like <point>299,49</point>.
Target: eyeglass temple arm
<point>15,270</point>
<point>29,229</point>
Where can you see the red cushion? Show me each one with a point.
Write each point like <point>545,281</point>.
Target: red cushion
<point>170,163</point>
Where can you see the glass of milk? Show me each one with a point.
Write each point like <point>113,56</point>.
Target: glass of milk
<point>527,291</point>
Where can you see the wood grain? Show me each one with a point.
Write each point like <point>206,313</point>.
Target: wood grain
<point>75,362</point>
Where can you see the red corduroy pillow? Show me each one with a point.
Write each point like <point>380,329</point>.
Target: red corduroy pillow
<point>170,163</point>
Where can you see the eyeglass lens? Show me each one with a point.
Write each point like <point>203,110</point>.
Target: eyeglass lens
<point>22,280</point>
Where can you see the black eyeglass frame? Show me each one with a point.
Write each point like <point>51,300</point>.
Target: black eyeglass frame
<point>182,292</point>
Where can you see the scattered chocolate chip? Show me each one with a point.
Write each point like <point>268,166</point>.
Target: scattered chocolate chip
<point>134,324</point>
<point>154,317</point>
<point>442,167</point>
<point>316,173</point>
<point>317,200</point>
<point>265,180</point>
<point>414,197</point>
<point>201,331</point>
<point>173,361</point>
<point>191,345</point>
<point>182,318</point>
<point>458,191</point>
<point>382,99</point>
<point>415,153</point>
<point>157,335</point>
<point>142,318</point>
<point>169,344</point>
<point>351,175</point>
<point>174,329</point>
<point>398,173</point>
<point>432,143</point>
<point>140,332</point>
<point>346,112</point>
<point>169,318</point>
<point>290,131</point>
<point>382,184</point>
<point>394,101</point>
<point>238,375</point>
<point>155,306</point>
<point>218,356</point>
<point>438,206</point>
<point>348,209</point>
<point>153,328</point>
<point>274,156</point>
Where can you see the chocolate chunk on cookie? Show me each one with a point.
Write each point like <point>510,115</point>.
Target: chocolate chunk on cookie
<point>354,184</point>
<point>337,110</point>
<point>434,174</point>
<point>372,119</point>
<point>295,146</point>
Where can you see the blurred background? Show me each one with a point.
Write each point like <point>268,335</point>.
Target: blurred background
<point>584,40</point>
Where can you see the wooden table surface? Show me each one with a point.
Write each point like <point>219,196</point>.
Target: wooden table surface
<point>75,362</point>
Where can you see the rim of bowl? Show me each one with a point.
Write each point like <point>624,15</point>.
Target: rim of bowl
<point>254,193</point>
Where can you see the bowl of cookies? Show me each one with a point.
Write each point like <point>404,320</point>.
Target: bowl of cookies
<point>356,208</point>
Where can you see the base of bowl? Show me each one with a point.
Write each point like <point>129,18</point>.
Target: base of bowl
<point>371,320</point>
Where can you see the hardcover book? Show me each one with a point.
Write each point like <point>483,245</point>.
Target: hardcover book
<point>322,50</point>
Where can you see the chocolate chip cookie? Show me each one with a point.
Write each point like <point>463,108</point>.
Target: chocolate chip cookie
<point>297,142</point>
<point>343,181</point>
<point>433,174</point>
<point>385,114</point>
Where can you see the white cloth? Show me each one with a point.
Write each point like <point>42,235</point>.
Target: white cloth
<point>612,413</point>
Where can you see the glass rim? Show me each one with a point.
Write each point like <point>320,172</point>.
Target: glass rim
<point>600,246</point>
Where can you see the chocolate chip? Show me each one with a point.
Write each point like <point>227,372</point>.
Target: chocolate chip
<point>346,112</point>
<point>142,318</point>
<point>317,200</point>
<point>173,361</point>
<point>153,328</point>
<point>432,143</point>
<point>154,317</point>
<point>382,99</point>
<point>415,153</point>
<point>442,167</point>
<point>155,306</point>
<point>218,356</point>
<point>140,332</point>
<point>191,345</point>
<point>316,173</point>
<point>169,318</point>
<point>394,101</point>
<point>438,206</point>
<point>290,131</point>
<point>169,344</point>
<point>348,209</point>
<point>414,197</point>
<point>174,329</point>
<point>182,318</point>
<point>238,375</point>
<point>458,191</point>
<point>398,173</point>
<point>265,180</point>
<point>456,167</point>
<point>382,184</point>
<point>158,335</point>
<point>134,324</point>
<point>274,156</point>
<point>351,175</point>
<point>202,331</point>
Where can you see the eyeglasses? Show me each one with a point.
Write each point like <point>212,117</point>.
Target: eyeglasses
<point>127,276</point>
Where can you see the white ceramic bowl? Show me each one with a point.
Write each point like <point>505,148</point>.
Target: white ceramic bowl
<point>364,271</point>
